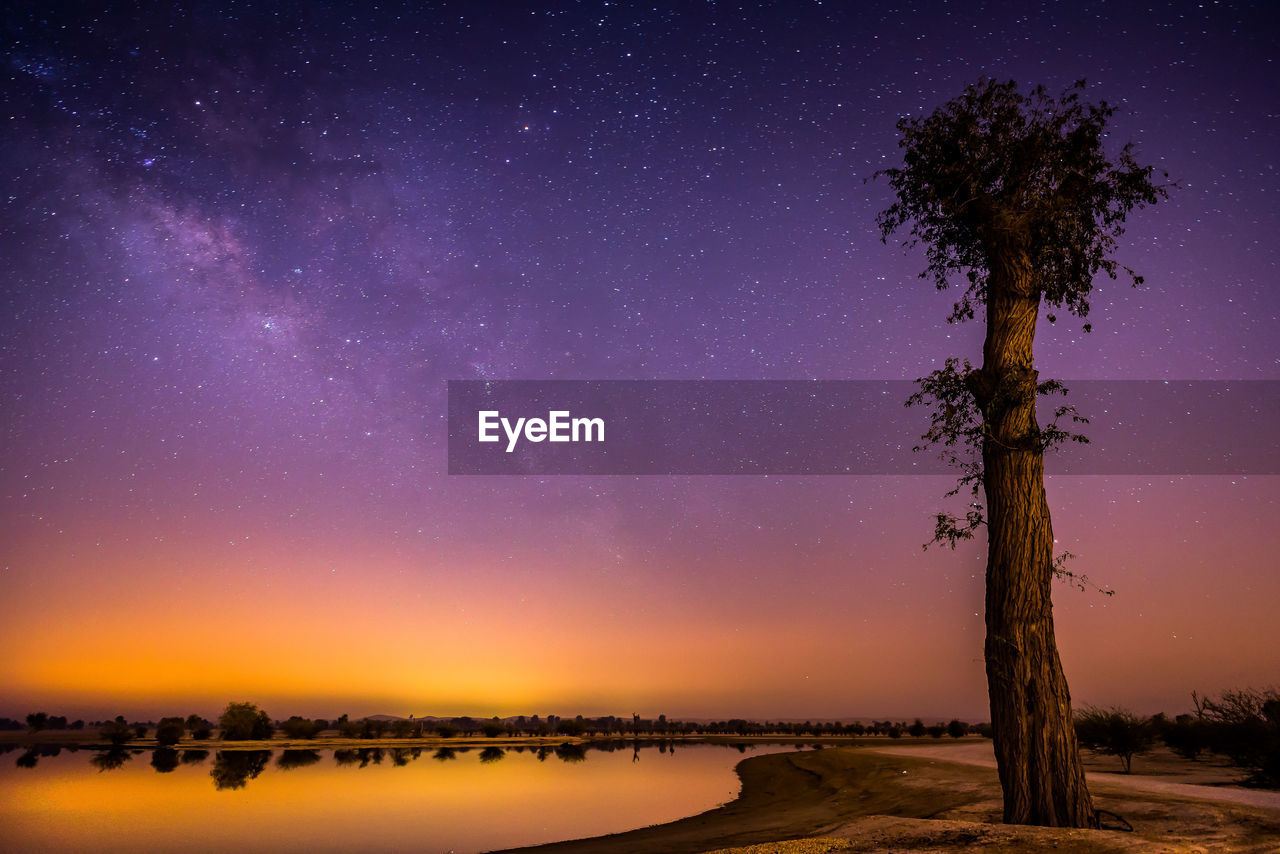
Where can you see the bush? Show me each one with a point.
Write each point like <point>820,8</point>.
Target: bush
<point>1116,732</point>
<point>244,722</point>
<point>117,731</point>
<point>957,729</point>
<point>1185,735</point>
<point>299,727</point>
<point>170,731</point>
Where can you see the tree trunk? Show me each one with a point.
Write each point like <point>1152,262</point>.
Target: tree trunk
<point>1035,741</point>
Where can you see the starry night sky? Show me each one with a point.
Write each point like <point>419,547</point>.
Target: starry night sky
<point>246,245</point>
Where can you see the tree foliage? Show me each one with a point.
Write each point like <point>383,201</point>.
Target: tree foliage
<point>994,167</point>
<point>170,730</point>
<point>117,731</point>
<point>244,722</point>
<point>300,727</point>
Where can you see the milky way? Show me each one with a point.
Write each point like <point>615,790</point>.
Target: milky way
<point>246,247</point>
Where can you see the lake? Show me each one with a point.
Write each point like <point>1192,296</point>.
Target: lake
<point>464,799</point>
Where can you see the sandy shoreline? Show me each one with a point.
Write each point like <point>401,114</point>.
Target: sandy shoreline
<point>883,799</point>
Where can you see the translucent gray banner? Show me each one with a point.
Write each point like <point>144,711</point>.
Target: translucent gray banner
<point>829,427</point>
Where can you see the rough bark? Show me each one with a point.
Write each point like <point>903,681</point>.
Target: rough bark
<point>1035,741</point>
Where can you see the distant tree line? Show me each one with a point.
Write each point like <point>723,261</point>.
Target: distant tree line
<point>1242,725</point>
<point>37,721</point>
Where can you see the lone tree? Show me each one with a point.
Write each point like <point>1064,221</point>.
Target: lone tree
<point>1014,198</point>
<point>1116,732</point>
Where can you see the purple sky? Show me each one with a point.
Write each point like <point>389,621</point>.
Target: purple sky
<point>246,247</point>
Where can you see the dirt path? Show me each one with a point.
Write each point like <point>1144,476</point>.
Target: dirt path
<point>981,754</point>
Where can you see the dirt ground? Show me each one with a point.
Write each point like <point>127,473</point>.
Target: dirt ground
<point>946,798</point>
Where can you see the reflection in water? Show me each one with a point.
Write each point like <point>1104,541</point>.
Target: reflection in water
<point>290,759</point>
<point>194,757</point>
<point>497,799</point>
<point>364,756</point>
<point>164,759</point>
<point>35,752</point>
<point>233,769</point>
<point>571,752</point>
<point>110,760</point>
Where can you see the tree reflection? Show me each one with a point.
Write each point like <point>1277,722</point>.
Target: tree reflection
<point>291,759</point>
<point>571,753</point>
<point>233,769</point>
<point>164,759</point>
<point>346,756</point>
<point>491,754</point>
<point>30,759</point>
<point>194,757</point>
<point>110,760</point>
<point>444,754</point>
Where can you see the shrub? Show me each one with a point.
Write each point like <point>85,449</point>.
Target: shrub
<point>1116,732</point>
<point>299,727</point>
<point>170,731</point>
<point>117,731</point>
<point>1185,735</point>
<point>245,721</point>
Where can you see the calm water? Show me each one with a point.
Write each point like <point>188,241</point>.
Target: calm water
<point>428,801</point>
